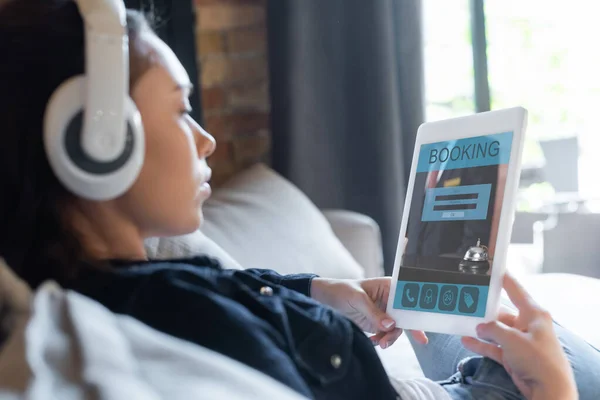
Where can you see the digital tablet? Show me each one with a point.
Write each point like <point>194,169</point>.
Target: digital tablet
<point>457,222</point>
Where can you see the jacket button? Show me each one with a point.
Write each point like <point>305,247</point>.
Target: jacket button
<point>336,361</point>
<point>266,291</point>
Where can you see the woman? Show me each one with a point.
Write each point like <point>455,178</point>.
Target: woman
<point>276,324</point>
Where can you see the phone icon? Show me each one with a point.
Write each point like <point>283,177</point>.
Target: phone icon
<point>410,295</point>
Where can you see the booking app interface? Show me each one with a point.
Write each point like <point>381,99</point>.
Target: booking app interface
<point>452,227</point>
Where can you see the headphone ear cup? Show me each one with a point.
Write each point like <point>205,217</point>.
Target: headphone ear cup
<point>82,175</point>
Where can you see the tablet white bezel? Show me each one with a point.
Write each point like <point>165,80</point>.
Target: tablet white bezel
<point>487,123</point>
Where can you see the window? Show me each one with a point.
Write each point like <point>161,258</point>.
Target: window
<point>449,84</point>
<point>541,55</point>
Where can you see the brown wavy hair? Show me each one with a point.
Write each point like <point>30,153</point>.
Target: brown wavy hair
<point>41,46</point>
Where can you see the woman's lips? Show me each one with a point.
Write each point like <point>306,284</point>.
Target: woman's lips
<point>205,190</point>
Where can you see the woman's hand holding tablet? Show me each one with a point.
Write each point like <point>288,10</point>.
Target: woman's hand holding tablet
<point>516,339</point>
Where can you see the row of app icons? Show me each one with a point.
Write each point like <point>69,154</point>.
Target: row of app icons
<point>444,298</point>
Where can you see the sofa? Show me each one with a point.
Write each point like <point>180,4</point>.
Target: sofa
<point>258,219</point>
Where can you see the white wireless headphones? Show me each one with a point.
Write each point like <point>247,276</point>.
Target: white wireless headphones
<point>93,133</point>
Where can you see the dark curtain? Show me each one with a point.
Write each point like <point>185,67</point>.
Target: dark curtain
<point>347,99</point>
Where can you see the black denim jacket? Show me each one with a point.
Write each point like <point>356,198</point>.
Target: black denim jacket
<point>257,317</point>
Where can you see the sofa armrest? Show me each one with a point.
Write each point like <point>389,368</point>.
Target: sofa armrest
<point>361,236</point>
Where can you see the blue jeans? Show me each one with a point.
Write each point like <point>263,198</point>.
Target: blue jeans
<point>482,378</point>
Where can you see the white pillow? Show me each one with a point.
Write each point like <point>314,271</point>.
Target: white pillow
<point>263,221</point>
<point>60,352</point>
<point>186,246</point>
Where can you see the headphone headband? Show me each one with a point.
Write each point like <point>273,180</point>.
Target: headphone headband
<point>107,70</point>
<point>93,132</point>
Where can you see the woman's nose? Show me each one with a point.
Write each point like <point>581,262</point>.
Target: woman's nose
<point>205,142</point>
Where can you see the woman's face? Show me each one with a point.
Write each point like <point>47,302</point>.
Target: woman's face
<point>167,197</point>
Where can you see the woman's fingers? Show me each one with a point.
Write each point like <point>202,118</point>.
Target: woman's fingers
<point>507,318</point>
<point>518,295</point>
<point>389,338</point>
<point>485,349</point>
<point>419,336</point>
<point>386,339</point>
<point>499,333</point>
<point>377,337</point>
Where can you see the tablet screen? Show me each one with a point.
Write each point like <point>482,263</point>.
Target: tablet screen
<point>450,238</point>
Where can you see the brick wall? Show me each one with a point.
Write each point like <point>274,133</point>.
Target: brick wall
<point>232,56</point>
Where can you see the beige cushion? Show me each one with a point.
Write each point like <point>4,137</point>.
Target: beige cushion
<point>263,221</point>
<point>260,220</point>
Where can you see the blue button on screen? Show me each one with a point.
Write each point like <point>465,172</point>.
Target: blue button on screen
<point>429,294</point>
<point>411,295</point>
<point>448,297</point>
<point>469,297</point>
